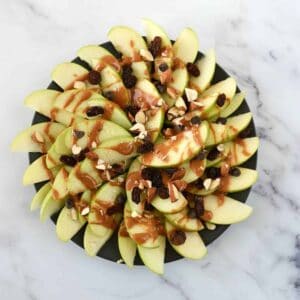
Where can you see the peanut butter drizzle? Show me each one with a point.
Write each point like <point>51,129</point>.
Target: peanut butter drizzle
<point>70,99</point>
<point>124,148</point>
<point>221,198</point>
<point>55,194</point>
<point>197,166</point>
<point>53,113</point>
<point>80,204</point>
<point>108,110</point>
<point>42,145</point>
<point>108,60</point>
<point>49,172</point>
<point>88,181</point>
<point>79,78</point>
<point>99,208</point>
<point>211,127</point>
<point>173,92</point>
<point>166,77</point>
<point>144,100</point>
<point>121,96</point>
<point>86,94</point>
<point>178,63</point>
<point>48,134</point>
<point>207,216</point>
<point>242,143</point>
<point>123,231</point>
<point>132,180</point>
<point>94,134</point>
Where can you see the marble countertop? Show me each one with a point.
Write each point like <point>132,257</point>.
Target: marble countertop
<point>257,42</point>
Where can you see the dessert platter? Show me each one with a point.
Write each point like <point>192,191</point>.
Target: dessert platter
<point>142,149</point>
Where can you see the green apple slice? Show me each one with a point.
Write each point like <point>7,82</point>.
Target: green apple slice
<point>66,74</point>
<point>193,169</point>
<point>105,197</point>
<point>183,221</point>
<point>127,246</point>
<point>38,171</point>
<point>126,40</point>
<point>140,70</point>
<point>230,211</point>
<point>42,101</point>
<point>234,104</point>
<point>175,151</point>
<point>138,228</point>
<point>50,206</point>
<point>97,57</point>
<point>153,258</point>
<point>37,138</point>
<point>192,248</point>
<point>109,77</point>
<point>179,82</point>
<point>92,243</point>
<point>39,197</point>
<point>219,133</point>
<point>59,186</point>
<point>66,225</point>
<point>152,30</point>
<point>206,66</point>
<point>168,206</point>
<point>186,46</point>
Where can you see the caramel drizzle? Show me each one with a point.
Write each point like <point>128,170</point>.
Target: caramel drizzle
<point>87,180</point>
<point>99,208</point>
<point>49,172</point>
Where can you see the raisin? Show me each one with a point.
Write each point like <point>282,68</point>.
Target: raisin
<point>213,154</point>
<point>95,111</point>
<point>69,203</point>
<point>132,109</point>
<point>245,133</point>
<point>177,237</point>
<point>189,196</point>
<point>199,184</point>
<point>213,172</point>
<point>78,133</point>
<point>129,80</point>
<point>178,128</point>
<point>94,77</point>
<point>160,87</point>
<point>196,120</point>
<point>221,100</point>
<point>163,192</point>
<point>155,46</point>
<point>163,67</point>
<point>192,213</point>
<point>148,206</point>
<point>221,120</point>
<point>147,173</point>
<point>121,199</point>
<point>136,195</point>
<point>145,147</point>
<point>117,168</point>
<point>236,172</point>
<point>201,155</point>
<point>199,207</point>
<point>81,155</point>
<point>170,171</point>
<point>193,69</point>
<point>127,70</point>
<point>68,160</point>
<point>114,209</point>
<point>109,95</point>
<point>157,180</point>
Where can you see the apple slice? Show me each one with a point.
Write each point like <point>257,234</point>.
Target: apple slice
<point>127,246</point>
<point>183,221</point>
<point>92,243</point>
<point>37,138</point>
<point>144,229</point>
<point>206,66</point>
<point>59,186</point>
<point>97,57</point>
<point>50,206</point>
<point>38,171</point>
<point>39,197</point>
<point>153,258</point>
<point>105,197</point>
<point>228,212</point>
<point>66,74</point>
<point>234,104</point>
<point>219,133</point>
<point>174,151</point>
<point>169,206</point>
<point>140,70</point>
<point>176,87</point>
<point>193,169</point>
<point>66,225</point>
<point>192,248</point>
<point>186,46</point>
<point>127,41</point>
<point>152,30</point>
<point>42,101</point>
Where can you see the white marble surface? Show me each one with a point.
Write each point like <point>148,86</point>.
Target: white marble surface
<point>258,42</point>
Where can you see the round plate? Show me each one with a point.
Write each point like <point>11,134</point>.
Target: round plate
<point>110,250</point>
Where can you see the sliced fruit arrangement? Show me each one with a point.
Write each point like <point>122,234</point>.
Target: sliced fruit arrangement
<point>140,143</point>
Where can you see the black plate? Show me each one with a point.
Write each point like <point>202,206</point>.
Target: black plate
<point>110,250</point>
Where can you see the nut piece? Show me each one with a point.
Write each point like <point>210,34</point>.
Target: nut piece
<point>94,145</point>
<point>74,214</point>
<point>140,117</point>
<point>146,54</point>
<point>85,211</point>
<point>134,214</point>
<point>180,103</point>
<point>120,261</point>
<point>215,183</point>
<point>207,183</point>
<point>38,136</point>
<point>160,102</point>
<point>138,127</point>
<point>191,94</point>
<point>210,226</point>
<point>221,147</point>
<point>76,149</point>
<point>80,85</point>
